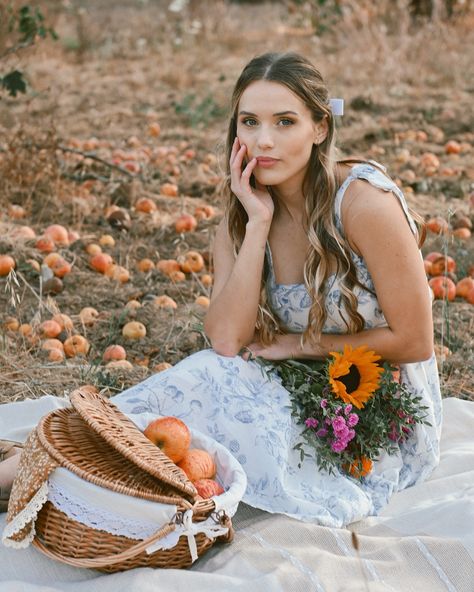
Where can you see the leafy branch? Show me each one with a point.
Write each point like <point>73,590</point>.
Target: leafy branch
<point>26,24</point>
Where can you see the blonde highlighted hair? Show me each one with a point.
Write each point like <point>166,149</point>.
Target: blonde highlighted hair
<point>319,189</point>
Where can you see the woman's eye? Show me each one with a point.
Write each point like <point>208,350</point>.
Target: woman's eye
<point>249,121</point>
<point>286,122</point>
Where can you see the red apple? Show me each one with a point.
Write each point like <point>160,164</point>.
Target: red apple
<point>443,288</point>
<point>207,488</point>
<point>185,223</point>
<point>170,434</point>
<point>443,264</point>
<point>114,352</point>
<point>198,464</point>
<point>433,256</point>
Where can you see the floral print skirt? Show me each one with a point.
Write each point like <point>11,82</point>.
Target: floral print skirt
<point>235,402</point>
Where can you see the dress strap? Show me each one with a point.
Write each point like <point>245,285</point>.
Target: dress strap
<point>378,179</point>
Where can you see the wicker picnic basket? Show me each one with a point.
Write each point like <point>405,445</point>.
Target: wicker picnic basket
<point>99,444</point>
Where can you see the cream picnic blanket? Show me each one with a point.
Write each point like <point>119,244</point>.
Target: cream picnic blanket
<point>422,541</point>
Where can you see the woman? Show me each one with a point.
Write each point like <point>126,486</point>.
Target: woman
<point>312,254</point>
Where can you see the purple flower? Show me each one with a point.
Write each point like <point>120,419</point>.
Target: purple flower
<point>352,420</point>
<point>350,435</point>
<point>338,423</point>
<point>340,428</point>
<point>338,409</point>
<point>342,432</point>
<point>338,445</point>
<point>322,432</point>
<point>327,421</point>
<point>394,434</point>
<point>347,409</point>
<point>311,422</point>
<point>324,403</point>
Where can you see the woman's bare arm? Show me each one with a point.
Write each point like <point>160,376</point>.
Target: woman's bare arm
<point>377,229</point>
<point>232,314</point>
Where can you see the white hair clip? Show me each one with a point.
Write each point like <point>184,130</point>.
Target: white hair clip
<point>337,106</point>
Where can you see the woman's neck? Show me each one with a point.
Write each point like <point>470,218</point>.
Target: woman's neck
<point>289,204</point>
<point>289,198</point>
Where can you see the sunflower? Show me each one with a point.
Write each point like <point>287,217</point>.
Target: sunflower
<point>354,375</point>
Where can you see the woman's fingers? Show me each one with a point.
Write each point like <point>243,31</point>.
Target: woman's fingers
<point>236,165</point>
<point>235,148</point>
<point>236,169</point>
<point>247,172</point>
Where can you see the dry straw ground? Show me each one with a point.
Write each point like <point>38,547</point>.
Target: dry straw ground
<point>120,66</point>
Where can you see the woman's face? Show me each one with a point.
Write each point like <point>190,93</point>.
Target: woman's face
<point>275,124</point>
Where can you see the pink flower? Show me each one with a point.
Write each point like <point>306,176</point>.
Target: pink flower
<point>352,420</point>
<point>338,423</point>
<point>347,409</point>
<point>322,432</point>
<point>311,422</point>
<point>324,403</point>
<point>338,445</point>
<point>394,434</point>
<point>342,432</point>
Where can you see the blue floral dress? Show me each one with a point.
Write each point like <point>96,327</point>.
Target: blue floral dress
<point>233,401</point>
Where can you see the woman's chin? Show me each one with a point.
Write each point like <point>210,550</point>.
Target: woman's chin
<point>268,178</point>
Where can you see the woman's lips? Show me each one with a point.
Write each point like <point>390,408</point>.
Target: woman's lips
<point>266,162</point>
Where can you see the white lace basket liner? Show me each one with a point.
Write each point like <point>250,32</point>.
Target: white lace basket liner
<point>157,519</point>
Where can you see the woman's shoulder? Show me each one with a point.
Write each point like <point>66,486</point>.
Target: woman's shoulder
<point>362,187</point>
<point>370,197</point>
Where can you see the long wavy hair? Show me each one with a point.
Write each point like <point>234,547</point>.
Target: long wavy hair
<point>320,184</point>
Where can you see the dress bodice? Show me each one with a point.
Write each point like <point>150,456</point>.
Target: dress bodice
<point>291,302</point>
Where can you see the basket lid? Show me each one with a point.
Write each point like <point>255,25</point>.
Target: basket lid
<point>70,441</point>
<point>121,433</point>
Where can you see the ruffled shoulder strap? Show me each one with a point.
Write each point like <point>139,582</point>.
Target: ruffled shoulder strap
<point>377,178</point>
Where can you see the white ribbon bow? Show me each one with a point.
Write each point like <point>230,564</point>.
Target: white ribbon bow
<point>190,529</point>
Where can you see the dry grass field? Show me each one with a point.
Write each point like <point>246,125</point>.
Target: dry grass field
<point>85,138</point>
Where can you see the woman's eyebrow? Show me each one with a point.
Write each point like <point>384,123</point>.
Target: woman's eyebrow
<point>274,115</point>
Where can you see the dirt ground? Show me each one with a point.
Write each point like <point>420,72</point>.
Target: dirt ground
<point>83,139</point>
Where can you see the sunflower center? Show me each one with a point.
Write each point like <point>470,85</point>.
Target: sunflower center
<point>351,380</point>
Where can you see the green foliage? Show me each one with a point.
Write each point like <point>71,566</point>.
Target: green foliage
<point>196,112</point>
<point>385,420</point>
<point>13,83</point>
<point>25,25</point>
<point>29,23</point>
<point>323,14</point>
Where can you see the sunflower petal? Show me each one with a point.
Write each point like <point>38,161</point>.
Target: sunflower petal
<point>365,362</point>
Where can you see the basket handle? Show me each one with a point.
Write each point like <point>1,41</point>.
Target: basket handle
<point>109,559</point>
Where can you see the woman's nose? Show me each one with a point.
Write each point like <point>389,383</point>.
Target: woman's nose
<point>265,139</point>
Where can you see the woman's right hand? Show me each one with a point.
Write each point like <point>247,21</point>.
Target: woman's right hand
<point>257,202</point>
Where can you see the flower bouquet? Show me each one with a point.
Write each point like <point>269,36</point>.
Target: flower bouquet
<point>351,406</point>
